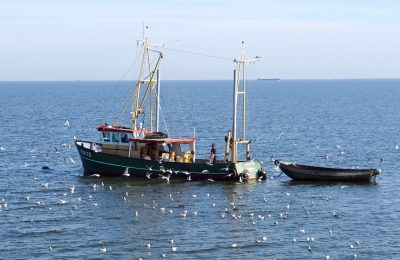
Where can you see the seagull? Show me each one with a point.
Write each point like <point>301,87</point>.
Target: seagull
<point>185,172</point>
<point>148,175</point>
<point>56,150</point>
<point>229,175</point>
<point>149,167</point>
<point>72,189</point>
<point>102,247</point>
<point>165,177</point>
<point>126,172</point>
<point>226,168</point>
<point>2,148</point>
<point>95,175</point>
<point>173,249</point>
<point>210,180</point>
<point>336,215</point>
<point>189,178</point>
<point>234,245</point>
<point>46,184</point>
<point>204,171</point>
<point>66,123</point>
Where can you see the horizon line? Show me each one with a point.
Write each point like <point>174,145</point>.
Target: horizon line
<point>258,79</point>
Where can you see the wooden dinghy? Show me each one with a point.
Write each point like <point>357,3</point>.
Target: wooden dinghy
<point>301,172</point>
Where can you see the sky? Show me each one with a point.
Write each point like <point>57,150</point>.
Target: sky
<point>296,39</point>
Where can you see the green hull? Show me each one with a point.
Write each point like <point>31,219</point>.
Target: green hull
<point>114,165</point>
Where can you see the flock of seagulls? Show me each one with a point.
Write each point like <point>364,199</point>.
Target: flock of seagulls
<point>184,209</point>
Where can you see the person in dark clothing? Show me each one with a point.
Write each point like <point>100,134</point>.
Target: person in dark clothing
<point>213,154</point>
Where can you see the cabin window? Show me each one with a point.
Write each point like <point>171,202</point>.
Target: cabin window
<point>185,148</point>
<point>115,137</point>
<point>106,136</point>
<point>124,138</point>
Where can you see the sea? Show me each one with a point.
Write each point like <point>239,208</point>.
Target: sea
<point>49,210</point>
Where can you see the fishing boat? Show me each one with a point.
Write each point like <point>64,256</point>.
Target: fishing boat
<point>301,172</point>
<point>142,150</point>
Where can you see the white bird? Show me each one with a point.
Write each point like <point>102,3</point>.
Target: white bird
<point>95,175</point>
<point>66,123</point>
<point>46,184</point>
<point>2,148</point>
<point>327,257</point>
<point>397,147</point>
<point>148,175</point>
<point>185,172</point>
<point>72,189</point>
<point>173,249</point>
<point>171,240</point>
<point>357,242</point>
<point>330,232</point>
<point>234,245</point>
<point>102,247</point>
<point>126,172</point>
<point>165,177</point>
<point>226,168</point>
<point>302,231</point>
<point>204,171</point>
<point>351,246</point>
<point>210,180</point>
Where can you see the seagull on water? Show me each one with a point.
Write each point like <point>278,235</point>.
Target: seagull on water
<point>102,247</point>
<point>95,175</point>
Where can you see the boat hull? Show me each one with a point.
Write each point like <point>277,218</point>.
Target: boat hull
<point>105,164</point>
<point>311,173</point>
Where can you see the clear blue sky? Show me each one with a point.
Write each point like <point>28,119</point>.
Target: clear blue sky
<point>96,40</point>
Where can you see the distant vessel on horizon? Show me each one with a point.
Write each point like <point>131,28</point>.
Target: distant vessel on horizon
<point>268,79</point>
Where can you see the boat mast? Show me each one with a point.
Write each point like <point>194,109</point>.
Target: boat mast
<point>239,88</point>
<point>146,76</point>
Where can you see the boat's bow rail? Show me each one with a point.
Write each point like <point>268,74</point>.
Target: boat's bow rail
<point>89,145</point>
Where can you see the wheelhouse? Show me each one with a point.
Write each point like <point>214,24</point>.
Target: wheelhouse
<point>164,149</point>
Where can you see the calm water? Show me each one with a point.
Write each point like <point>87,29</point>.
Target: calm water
<point>351,122</point>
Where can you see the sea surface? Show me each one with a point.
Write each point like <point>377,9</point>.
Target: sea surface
<point>59,214</point>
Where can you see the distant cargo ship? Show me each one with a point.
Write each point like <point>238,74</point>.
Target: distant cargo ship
<point>267,79</point>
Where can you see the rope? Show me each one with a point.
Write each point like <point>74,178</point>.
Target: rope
<point>199,54</point>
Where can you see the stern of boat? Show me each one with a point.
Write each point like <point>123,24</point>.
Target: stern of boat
<point>250,170</point>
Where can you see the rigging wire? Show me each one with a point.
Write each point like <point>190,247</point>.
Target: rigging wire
<point>120,81</point>
<point>198,54</point>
